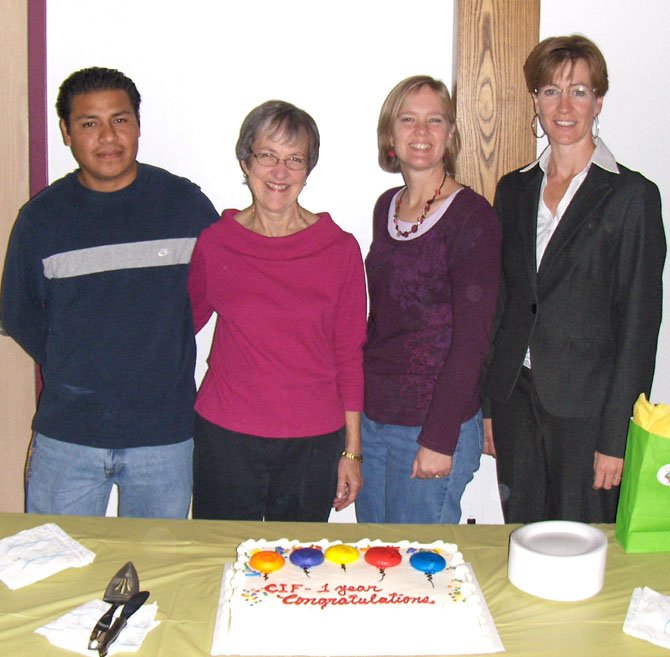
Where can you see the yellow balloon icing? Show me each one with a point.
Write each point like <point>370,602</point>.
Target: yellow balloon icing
<point>341,554</point>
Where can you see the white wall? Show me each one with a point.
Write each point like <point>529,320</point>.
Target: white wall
<point>202,65</point>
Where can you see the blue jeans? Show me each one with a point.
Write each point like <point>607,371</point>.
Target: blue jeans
<point>69,479</point>
<point>388,493</point>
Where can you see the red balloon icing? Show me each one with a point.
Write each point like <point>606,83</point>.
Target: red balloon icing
<point>383,557</point>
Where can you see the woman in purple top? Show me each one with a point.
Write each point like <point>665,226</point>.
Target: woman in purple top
<point>433,272</point>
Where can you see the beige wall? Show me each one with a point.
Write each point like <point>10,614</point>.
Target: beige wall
<point>17,382</point>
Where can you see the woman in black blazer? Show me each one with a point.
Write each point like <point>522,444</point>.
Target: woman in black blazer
<point>580,302</point>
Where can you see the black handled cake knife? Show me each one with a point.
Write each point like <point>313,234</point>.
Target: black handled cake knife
<point>108,637</point>
<point>120,589</point>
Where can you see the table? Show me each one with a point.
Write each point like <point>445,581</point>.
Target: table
<point>181,563</point>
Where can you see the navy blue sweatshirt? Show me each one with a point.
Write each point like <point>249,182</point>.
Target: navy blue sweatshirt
<point>94,289</point>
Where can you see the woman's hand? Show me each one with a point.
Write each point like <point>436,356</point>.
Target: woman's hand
<point>349,483</point>
<point>607,471</point>
<point>430,465</point>
<point>489,445</point>
<point>349,477</point>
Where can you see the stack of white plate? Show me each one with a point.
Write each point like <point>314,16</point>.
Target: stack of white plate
<point>557,559</point>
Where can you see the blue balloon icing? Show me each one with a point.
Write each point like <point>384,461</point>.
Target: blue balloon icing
<point>306,557</point>
<point>428,562</point>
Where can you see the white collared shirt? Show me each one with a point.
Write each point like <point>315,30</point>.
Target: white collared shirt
<point>548,222</point>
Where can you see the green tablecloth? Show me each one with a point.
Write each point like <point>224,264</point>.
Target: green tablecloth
<point>181,563</point>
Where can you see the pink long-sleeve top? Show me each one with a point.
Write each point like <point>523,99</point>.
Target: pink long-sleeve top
<point>286,358</point>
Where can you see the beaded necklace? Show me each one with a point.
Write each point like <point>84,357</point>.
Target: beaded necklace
<point>420,220</point>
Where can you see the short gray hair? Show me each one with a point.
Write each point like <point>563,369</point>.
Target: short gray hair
<point>278,117</point>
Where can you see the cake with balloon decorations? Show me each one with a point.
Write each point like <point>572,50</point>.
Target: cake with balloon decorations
<point>288,597</point>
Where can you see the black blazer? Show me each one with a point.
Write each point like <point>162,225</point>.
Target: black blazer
<point>591,314</point>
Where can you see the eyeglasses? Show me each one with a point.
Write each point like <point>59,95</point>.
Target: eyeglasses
<point>294,162</point>
<point>577,93</point>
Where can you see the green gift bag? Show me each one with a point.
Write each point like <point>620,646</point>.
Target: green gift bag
<point>643,515</point>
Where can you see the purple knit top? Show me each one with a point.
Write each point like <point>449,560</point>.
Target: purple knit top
<point>432,303</point>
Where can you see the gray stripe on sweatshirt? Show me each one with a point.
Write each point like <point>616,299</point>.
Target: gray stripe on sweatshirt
<point>113,257</point>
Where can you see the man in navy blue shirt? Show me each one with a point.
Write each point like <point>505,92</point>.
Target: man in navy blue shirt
<point>94,289</point>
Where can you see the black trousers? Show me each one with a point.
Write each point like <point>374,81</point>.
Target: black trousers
<point>545,463</point>
<point>241,477</point>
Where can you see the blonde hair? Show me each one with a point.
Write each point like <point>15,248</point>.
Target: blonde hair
<point>391,109</point>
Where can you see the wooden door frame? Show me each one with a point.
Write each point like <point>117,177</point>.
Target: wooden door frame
<point>493,107</point>
<point>23,171</point>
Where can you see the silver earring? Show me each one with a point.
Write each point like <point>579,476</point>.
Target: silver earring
<point>535,121</point>
<point>595,127</point>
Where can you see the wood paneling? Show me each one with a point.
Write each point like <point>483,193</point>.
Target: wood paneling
<point>17,380</point>
<point>493,107</point>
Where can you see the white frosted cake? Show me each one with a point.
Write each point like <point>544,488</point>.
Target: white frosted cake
<point>365,598</point>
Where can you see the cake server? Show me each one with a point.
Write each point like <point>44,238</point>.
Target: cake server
<point>109,636</point>
<point>120,589</point>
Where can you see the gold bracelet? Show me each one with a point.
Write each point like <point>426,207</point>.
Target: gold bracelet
<point>352,457</point>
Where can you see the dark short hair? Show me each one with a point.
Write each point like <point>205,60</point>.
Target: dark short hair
<point>94,79</point>
<point>389,113</point>
<point>279,118</point>
<point>552,54</point>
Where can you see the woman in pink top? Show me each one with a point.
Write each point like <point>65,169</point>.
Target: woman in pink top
<point>277,432</point>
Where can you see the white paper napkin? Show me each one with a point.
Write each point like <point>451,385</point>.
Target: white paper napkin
<point>73,630</point>
<point>648,617</point>
<point>34,554</point>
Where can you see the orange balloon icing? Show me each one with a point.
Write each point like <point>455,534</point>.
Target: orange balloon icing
<point>266,561</point>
